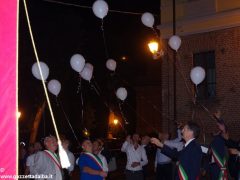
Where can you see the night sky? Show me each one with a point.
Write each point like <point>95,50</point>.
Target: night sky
<point>61,31</point>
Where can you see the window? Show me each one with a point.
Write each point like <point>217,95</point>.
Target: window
<point>207,89</point>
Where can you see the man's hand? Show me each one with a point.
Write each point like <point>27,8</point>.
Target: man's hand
<point>179,125</point>
<point>103,174</point>
<point>135,164</point>
<point>156,142</point>
<point>233,151</point>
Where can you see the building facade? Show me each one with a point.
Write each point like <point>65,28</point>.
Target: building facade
<point>210,34</point>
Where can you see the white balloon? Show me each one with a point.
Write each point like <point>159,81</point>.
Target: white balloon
<point>197,75</point>
<point>147,19</point>
<point>36,71</point>
<point>87,73</point>
<point>121,93</point>
<point>111,64</point>
<point>175,42</point>
<point>54,86</point>
<point>100,8</point>
<point>88,65</point>
<point>77,62</point>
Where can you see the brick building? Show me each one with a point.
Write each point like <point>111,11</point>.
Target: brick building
<point>210,33</point>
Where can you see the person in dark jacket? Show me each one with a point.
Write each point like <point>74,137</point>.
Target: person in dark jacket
<point>189,158</point>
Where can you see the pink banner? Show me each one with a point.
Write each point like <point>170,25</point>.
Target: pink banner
<point>8,89</point>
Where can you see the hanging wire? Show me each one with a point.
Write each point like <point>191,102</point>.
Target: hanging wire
<point>90,7</point>
<point>143,119</point>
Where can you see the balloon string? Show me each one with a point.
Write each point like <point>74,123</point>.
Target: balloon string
<point>41,74</point>
<point>104,41</point>
<point>79,84</point>
<point>154,106</point>
<point>121,111</point>
<point>68,121</point>
<point>99,95</point>
<point>82,103</point>
<point>81,94</point>
<point>155,33</point>
<point>183,77</point>
<point>143,119</point>
<point>124,118</point>
<point>56,99</point>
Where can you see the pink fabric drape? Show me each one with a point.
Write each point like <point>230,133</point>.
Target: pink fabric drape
<point>8,87</point>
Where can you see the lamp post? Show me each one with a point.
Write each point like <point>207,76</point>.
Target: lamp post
<point>154,48</point>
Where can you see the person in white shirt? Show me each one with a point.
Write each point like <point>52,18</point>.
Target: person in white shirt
<point>71,157</point>
<point>97,147</point>
<point>136,158</point>
<point>30,159</point>
<point>47,162</point>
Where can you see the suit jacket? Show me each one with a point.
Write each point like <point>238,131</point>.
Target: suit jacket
<point>190,158</point>
<point>43,164</point>
<point>218,144</point>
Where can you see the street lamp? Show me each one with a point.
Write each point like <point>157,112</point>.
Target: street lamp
<point>153,47</point>
<point>115,122</point>
<point>18,114</point>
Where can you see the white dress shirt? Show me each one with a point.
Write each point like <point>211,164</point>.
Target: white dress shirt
<point>104,162</point>
<point>188,142</point>
<point>134,155</point>
<point>71,158</point>
<point>175,143</point>
<point>161,158</point>
<point>30,162</point>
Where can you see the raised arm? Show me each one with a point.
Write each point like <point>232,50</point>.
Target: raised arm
<point>173,153</point>
<point>126,143</point>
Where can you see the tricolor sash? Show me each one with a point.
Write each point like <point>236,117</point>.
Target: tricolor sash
<point>54,158</point>
<point>221,164</point>
<point>95,159</point>
<point>182,173</point>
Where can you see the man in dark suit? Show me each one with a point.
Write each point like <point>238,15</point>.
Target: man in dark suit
<point>189,159</point>
<point>218,152</point>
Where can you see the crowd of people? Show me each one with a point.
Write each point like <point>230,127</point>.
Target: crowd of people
<point>181,158</point>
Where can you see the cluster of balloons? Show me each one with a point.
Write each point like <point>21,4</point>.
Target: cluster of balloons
<point>197,75</point>
<point>79,65</point>
<point>54,86</point>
